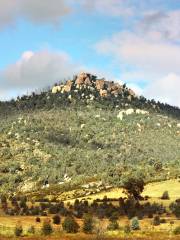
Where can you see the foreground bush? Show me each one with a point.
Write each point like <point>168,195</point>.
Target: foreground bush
<point>70,225</point>
<point>156,221</point>
<point>177,230</point>
<point>113,225</point>
<point>18,230</point>
<point>31,230</point>
<point>46,227</point>
<point>127,229</point>
<point>175,208</point>
<point>56,219</point>
<point>88,224</point>
<point>135,224</point>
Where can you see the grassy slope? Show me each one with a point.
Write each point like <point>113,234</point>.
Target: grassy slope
<point>85,142</point>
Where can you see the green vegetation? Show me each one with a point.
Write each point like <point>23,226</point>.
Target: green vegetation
<point>135,224</point>
<point>64,146</point>
<point>18,230</point>
<point>47,227</point>
<point>70,225</point>
<point>87,223</point>
<point>42,146</point>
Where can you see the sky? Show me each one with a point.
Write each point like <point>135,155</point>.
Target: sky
<point>136,42</point>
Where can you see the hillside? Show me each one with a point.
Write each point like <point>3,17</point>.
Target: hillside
<point>86,130</point>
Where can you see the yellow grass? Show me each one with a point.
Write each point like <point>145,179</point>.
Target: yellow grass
<point>153,190</point>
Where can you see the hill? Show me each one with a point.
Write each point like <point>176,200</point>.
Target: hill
<point>86,130</point>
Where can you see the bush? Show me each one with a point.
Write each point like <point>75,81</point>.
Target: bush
<point>177,230</point>
<point>46,227</point>
<point>163,220</point>
<point>18,230</point>
<point>113,225</point>
<point>87,224</point>
<point>175,208</point>
<point>56,219</point>
<point>156,221</point>
<point>31,230</point>
<point>127,229</point>
<point>165,196</point>
<point>135,224</point>
<point>38,220</point>
<point>70,225</point>
<point>114,216</point>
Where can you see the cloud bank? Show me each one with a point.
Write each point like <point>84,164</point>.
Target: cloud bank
<point>151,53</point>
<point>39,12</point>
<point>36,70</point>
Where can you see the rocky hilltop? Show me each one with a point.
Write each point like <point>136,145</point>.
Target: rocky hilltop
<point>86,81</point>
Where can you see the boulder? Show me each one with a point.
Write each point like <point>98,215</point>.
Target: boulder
<point>67,88</point>
<point>100,84</point>
<point>81,78</point>
<point>87,81</point>
<point>103,93</point>
<point>131,92</point>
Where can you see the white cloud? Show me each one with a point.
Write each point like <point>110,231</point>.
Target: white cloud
<point>41,12</point>
<point>109,7</point>
<point>142,53</point>
<point>161,25</point>
<point>37,70</point>
<point>149,56</point>
<point>165,89</point>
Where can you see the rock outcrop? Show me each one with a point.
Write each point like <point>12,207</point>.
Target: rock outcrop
<point>101,87</point>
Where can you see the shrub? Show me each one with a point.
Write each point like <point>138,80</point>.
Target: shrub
<point>177,230</point>
<point>38,220</point>
<point>31,230</point>
<point>56,219</point>
<point>135,224</point>
<point>165,195</point>
<point>175,208</point>
<point>156,221</point>
<point>46,227</point>
<point>163,220</point>
<point>113,225</point>
<point>87,224</point>
<point>18,230</point>
<point>114,216</point>
<point>127,229</point>
<point>70,225</point>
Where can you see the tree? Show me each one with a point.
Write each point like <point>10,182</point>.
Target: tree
<point>87,223</point>
<point>133,187</point>
<point>165,195</point>
<point>46,227</point>
<point>70,225</point>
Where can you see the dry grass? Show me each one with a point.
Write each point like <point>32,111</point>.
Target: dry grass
<point>153,190</point>
<point>148,232</point>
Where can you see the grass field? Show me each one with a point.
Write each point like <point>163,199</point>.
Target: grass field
<point>153,190</point>
<point>147,232</point>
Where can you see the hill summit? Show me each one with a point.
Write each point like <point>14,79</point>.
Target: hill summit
<point>86,81</point>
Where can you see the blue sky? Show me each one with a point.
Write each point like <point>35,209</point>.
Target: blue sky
<point>133,41</point>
